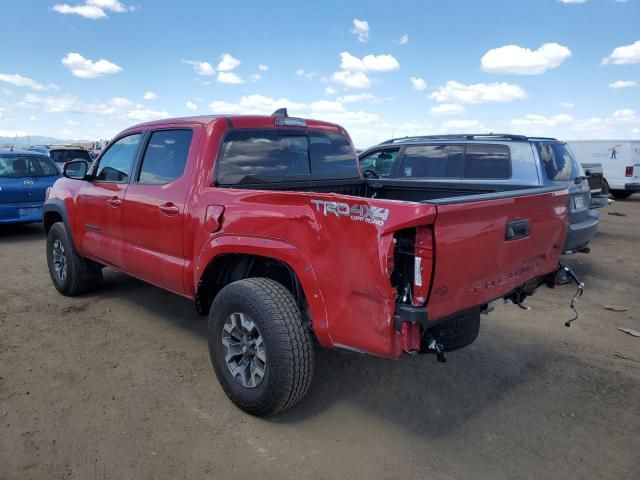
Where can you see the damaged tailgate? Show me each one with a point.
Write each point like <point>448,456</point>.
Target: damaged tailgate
<point>488,245</point>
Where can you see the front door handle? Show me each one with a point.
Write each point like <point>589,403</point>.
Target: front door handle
<point>169,209</point>
<point>114,202</point>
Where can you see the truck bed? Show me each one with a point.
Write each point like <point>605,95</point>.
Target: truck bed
<point>411,190</point>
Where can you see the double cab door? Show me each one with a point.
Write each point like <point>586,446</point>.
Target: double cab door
<point>133,209</point>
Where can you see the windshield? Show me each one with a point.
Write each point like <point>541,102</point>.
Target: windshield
<point>26,166</point>
<point>66,155</point>
<point>558,161</point>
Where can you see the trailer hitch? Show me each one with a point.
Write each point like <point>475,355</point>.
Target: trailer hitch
<point>574,301</point>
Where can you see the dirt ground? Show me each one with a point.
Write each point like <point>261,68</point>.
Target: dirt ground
<point>117,384</point>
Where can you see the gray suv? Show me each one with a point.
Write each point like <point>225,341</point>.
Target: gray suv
<point>489,162</point>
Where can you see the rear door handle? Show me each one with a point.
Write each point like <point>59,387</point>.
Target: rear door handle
<point>169,209</point>
<point>517,229</point>
<point>114,202</point>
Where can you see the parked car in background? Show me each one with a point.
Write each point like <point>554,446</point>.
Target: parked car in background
<point>599,194</point>
<point>620,161</point>
<point>62,154</point>
<point>480,163</point>
<point>24,179</point>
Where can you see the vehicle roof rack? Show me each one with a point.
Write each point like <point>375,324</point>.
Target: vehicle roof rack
<point>281,112</point>
<point>462,136</point>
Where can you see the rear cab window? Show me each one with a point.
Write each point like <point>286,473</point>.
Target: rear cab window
<point>558,162</point>
<point>279,155</point>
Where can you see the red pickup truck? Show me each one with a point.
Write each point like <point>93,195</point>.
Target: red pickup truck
<point>267,223</point>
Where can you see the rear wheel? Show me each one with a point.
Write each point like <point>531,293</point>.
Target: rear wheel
<point>620,194</point>
<point>261,352</point>
<point>458,331</point>
<point>70,273</point>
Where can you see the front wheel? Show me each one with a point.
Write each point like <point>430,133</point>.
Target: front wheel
<point>70,273</point>
<point>261,352</point>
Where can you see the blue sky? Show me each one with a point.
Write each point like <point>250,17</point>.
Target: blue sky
<point>90,68</point>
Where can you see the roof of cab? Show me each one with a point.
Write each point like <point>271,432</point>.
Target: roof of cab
<point>243,121</point>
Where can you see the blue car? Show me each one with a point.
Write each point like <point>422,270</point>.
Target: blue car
<point>24,179</point>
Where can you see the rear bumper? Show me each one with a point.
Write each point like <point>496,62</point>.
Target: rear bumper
<point>632,187</point>
<point>21,213</point>
<point>580,234</point>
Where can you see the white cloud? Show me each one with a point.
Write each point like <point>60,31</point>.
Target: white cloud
<point>72,123</point>
<point>12,133</point>
<point>254,77</point>
<point>624,84</point>
<point>418,83</point>
<point>368,63</point>
<point>33,118</point>
<point>524,61</point>
<point>573,1</point>
<point>324,106</point>
<point>116,107</point>
<point>229,77</point>
<point>227,63</point>
<point>361,29</point>
<point>21,81</point>
<point>145,114</point>
<point>404,39</point>
<point>566,104</point>
<point>351,79</point>
<point>470,126</point>
<point>447,109</point>
<point>263,68</point>
<point>191,106</point>
<point>535,120</point>
<point>624,55</point>
<point>457,92</point>
<point>256,104</point>
<point>92,9</point>
<point>624,115</point>
<point>149,95</point>
<point>6,91</point>
<point>85,68</point>
<point>329,90</point>
<point>200,67</point>
<point>360,97</point>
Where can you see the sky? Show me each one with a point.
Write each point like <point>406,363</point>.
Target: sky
<point>87,69</point>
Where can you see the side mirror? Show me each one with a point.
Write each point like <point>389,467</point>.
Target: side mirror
<point>76,169</point>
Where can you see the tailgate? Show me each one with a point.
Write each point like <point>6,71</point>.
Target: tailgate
<point>487,245</point>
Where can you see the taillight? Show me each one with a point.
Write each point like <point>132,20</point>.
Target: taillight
<point>422,264</point>
<point>628,172</point>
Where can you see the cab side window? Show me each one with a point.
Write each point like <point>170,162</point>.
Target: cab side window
<point>380,162</point>
<point>116,163</point>
<point>165,157</point>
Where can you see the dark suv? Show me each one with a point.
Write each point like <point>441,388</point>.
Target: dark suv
<point>488,162</point>
<point>62,154</point>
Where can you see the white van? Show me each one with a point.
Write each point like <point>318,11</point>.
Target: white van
<point>620,161</point>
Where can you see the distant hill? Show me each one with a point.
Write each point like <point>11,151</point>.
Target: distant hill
<point>36,140</point>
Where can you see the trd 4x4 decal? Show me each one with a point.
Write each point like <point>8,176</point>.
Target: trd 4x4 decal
<point>357,213</point>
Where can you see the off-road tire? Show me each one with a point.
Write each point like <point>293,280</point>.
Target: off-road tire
<point>81,274</point>
<point>288,345</point>
<point>459,331</point>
